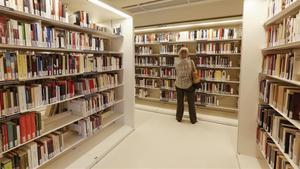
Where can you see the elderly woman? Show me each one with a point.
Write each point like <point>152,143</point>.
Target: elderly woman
<point>184,85</point>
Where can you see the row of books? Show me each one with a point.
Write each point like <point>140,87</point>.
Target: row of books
<point>15,65</point>
<point>147,83</point>
<point>284,133</point>
<point>19,130</point>
<point>143,50</point>
<point>147,72</point>
<point>168,84</point>
<point>34,153</point>
<point>222,48</point>
<point>287,31</point>
<point>151,61</point>
<point>206,99</point>
<point>52,9</point>
<point>221,88</point>
<point>214,74</point>
<point>201,34</point>
<point>283,97</point>
<point>274,157</point>
<point>170,49</point>
<point>14,32</point>
<point>87,126</point>
<point>142,93</point>
<point>168,95</point>
<point>93,104</point>
<point>167,61</point>
<point>214,61</point>
<point>284,65</point>
<point>168,72</point>
<point>276,6</point>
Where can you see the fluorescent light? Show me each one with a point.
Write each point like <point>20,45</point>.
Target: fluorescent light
<point>189,25</point>
<point>108,7</point>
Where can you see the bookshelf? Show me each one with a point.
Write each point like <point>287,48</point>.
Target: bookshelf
<point>72,58</point>
<point>279,87</point>
<point>158,48</point>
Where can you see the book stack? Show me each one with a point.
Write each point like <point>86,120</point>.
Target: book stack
<point>146,38</point>
<point>214,75</point>
<point>107,80</point>
<point>80,18</point>
<point>221,88</point>
<point>203,99</point>
<point>149,72</point>
<point>287,31</point>
<point>168,95</point>
<point>218,48</point>
<point>107,63</point>
<point>276,6</point>
<point>170,49</point>
<point>34,153</point>
<point>143,50</point>
<point>284,98</point>
<point>146,61</point>
<point>19,130</point>
<point>143,93</point>
<point>185,36</point>
<point>87,126</point>
<point>283,132</point>
<point>217,34</point>
<point>168,84</point>
<point>168,72</point>
<point>270,151</point>
<point>283,65</point>
<point>86,86</point>
<point>167,61</point>
<point>152,83</point>
<point>213,61</point>
<point>54,9</point>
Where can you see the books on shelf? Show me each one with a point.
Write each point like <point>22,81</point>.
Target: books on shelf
<point>52,9</point>
<point>168,84</point>
<point>273,155</point>
<point>276,6</point>
<point>87,126</point>
<point>170,49</point>
<point>218,34</point>
<point>152,83</point>
<point>168,72</point>
<point>146,38</point>
<point>80,18</point>
<point>167,61</point>
<point>220,75</point>
<point>152,72</point>
<point>147,61</point>
<point>168,95</point>
<point>284,65</point>
<point>218,48</point>
<point>221,88</point>
<point>19,130</point>
<point>213,61</point>
<point>143,93</point>
<point>144,50</point>
<point>283,97</point>
<point>207,99</point>
<point>287,31</point>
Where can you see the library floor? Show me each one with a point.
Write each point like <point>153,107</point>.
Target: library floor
<point>160,142</point>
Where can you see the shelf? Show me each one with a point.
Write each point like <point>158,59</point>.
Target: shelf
<point>147,87</point>
<point>33,48</point>
<point>60,24</point>
<point>147,44</point>
<point>216,67</point>
<point>285,12</point>
<point>111,119</point>
<point>219,54</point>
<point>151,66</point>
<point>292,82</point>
<point>296,123</point>
<point>149,77</point>
<point>220,81</point>
<point>259,149</point>
<point>61,121</point>
<point>167,66</point>
<point>282,151</point>
<point>218,107</point>
<point>219,94</point>
<point>174,89</point>
<point>168,77</point>
<point>190,41</point>
<point>147,55</point>
<point>148,98</point>
<point>292,45</point>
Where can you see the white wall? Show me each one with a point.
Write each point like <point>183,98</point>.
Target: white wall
<point>255,12</point>
<point>194,12</point>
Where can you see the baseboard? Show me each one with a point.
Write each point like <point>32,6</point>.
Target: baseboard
<point>202,117</point>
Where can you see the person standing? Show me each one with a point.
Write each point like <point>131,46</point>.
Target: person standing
<point>184,85</point>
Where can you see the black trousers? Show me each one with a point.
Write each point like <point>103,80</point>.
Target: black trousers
<point>190,94</point>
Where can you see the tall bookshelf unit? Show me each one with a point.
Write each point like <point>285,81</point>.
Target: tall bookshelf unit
<point>278,115</point>
<point>75,127</point>
<point>156,54</point>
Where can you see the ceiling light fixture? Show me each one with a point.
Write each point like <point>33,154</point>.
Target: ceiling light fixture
<point>110,8</point>
<point>189,25</point>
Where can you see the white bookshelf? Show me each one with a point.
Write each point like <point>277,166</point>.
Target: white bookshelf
<point>120,123</point>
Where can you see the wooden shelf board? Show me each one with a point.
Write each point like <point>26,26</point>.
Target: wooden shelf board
<point>147,87</point>
<point>211,67</point>
<point>147,54</point>
<point>221,81</point>
<point>152,66</point>
<point>265,159</point>
<point>277,17</point>
<point>149,77</point>
<point>111,119</point>
<point>292,45</point>
<point>219,94</point>
<point>292,82</point>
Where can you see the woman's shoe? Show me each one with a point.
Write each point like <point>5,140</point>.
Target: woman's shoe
<point>194,122</point>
